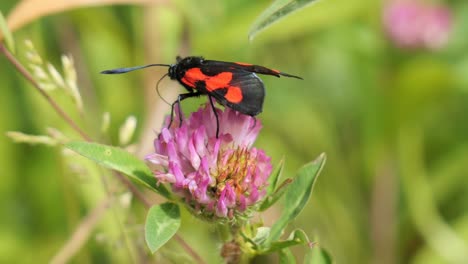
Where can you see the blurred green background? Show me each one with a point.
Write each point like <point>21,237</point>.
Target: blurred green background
<point>393,123</point>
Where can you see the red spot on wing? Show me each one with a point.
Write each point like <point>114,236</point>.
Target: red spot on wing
<point>219,81</point>
<point>275,71</point>
<point>192,76</point>
<point>234,94</point>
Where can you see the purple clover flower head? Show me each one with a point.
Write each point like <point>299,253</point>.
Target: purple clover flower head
<point>415,24</point>
<point>216,177</point>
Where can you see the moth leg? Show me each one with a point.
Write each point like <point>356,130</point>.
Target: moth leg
<point>210,98</point>
<point>255,122</point>
<point>180,98</point>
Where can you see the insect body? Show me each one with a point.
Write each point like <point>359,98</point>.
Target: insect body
<point>232,84</point>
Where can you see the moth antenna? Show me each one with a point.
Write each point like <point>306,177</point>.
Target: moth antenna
<point>157,89</point>
<point>124,70</point>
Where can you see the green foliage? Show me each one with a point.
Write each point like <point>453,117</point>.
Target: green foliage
<point>5,34</point>
<point>297,196</point>
<point>276,11</point>
<point>317,255</point>
<point>275,177</point>
<point>273,193</point>
<point>267,240</point>
<point>297,237</point>
<point>286,256</point>
<point>162,223</point>
<point>119,160</point>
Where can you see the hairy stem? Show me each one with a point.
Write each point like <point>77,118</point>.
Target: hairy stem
<point>21,69</point>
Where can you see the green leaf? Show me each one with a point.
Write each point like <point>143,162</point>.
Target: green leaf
<point>286,256</point>
<point>119,160</point>
<point>261,235</point>
<point>271,199</point>
<point>272,194</point>
<point>162,222</point>
<point>275,176</point>
<point>317,255</point>
<point>276,11</point>
<point>297,196</point>
<point>296,237</point>
<point>5,31</point>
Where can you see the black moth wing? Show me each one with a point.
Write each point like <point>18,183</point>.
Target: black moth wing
<point>251,68</point>
<point>253,90</point>
<point>253,93</point>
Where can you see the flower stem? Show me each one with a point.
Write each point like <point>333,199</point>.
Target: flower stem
<point>224,232</point>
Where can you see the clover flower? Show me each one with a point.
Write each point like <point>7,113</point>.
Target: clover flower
<point>220,177</point>
<point>416,24</point>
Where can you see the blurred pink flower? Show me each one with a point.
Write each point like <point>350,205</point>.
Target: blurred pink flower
<point>416,24</point>
<point>216,177</point>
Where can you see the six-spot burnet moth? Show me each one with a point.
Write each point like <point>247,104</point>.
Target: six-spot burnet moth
<point>232,84</point>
